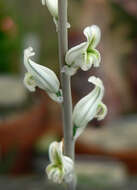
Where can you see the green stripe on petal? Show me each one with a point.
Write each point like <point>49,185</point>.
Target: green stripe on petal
<point>86,109</point>
<point>101,111</point>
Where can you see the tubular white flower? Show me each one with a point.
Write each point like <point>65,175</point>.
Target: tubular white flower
<point>61,168</point>
<point>52,6</point>
<point>89,107</point>
<point>84,55</point>
<point>41,76</point>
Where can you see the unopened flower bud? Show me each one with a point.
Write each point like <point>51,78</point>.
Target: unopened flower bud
<point>42,77</point>
<point>89,107</point>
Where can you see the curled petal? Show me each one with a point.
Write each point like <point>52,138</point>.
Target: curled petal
<point>97,82</point>
<point>29,82</point>
<point>93,35</point>
<point>86,109</point>
<point>76,55</point>
<point>55,174</point>
<point>68,169</point>
<point>101,111</point>
<point>94,58</point>
<point>55,152</point>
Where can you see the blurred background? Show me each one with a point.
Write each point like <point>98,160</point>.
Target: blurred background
<point>106,152</point>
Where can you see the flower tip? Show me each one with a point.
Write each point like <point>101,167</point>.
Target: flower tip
<point>96,28</point>
<point>95,80</point>
<point>29,52</point>
<point>93,34</point>
<point>96,31</point>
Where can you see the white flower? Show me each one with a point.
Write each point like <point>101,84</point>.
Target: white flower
<point>61,168</point>
<point>84,55</point>
<point>89,107</point>
<point>41,76</point>
<point>52,6</point>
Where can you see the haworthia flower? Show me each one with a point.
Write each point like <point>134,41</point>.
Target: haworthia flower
<point>61,168</point>
<point>84,55</point>
<point>41,76</point>
<point>52,6</point>
<point>89,107</point>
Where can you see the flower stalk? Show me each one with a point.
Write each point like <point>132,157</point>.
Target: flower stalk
<point>66,84</point>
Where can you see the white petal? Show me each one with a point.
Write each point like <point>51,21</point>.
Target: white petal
<point>96,81</point>
<point>88,64</point>
<point>55,174</point>
<point>55,152</point>
<point>76,55</point>
<point>57,177</point>
<point>86,109</point>
<point>94,58</point>
<point>68,164</point>
<point>68,169</point>
<point>101,111</point>
<point>46,78</point>
<point>93,35</point>
<point>52,7</point>
<point>29,82</point>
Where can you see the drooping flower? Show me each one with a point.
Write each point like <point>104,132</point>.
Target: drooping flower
<point>61,168</point>
<point>89,107</point>
<point>52,6</point>
<point>41,76</point>
<point>84,55</point>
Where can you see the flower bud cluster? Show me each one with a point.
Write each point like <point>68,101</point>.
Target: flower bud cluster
<point>82,56</point>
